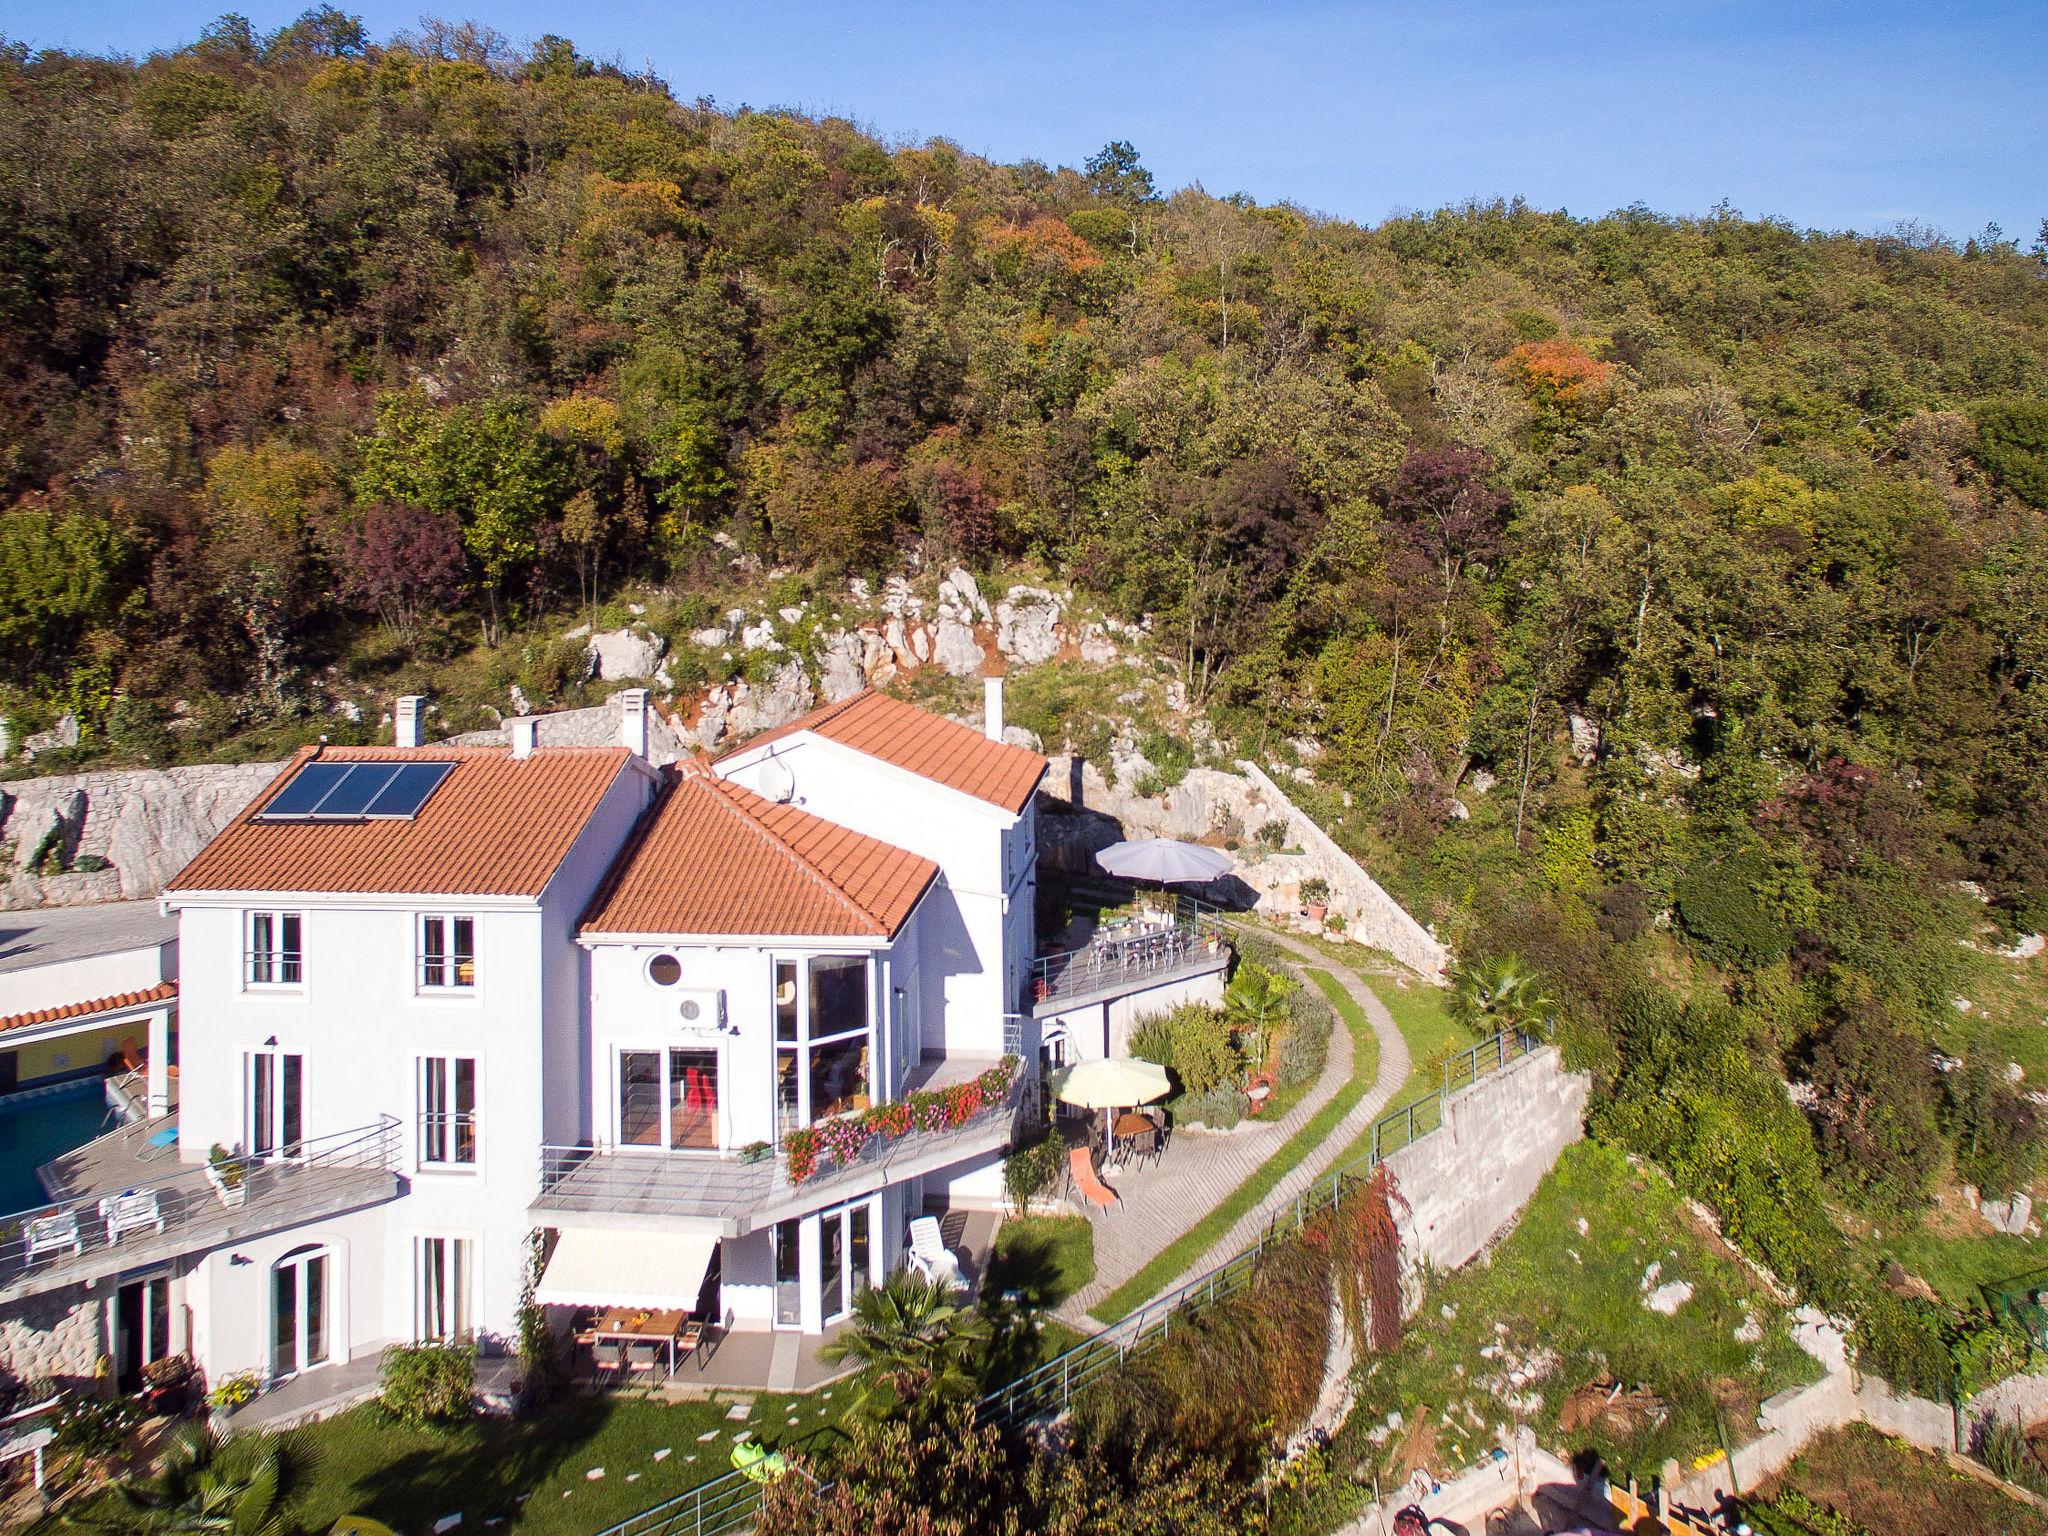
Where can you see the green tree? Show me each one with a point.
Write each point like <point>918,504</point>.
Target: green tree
<point>58,576</point>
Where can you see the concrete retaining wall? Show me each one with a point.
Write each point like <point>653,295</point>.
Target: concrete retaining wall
<point>1466,1182</point>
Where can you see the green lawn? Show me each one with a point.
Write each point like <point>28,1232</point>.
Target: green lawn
<point>1170,1262</point>
<point>1558,1309</point>
<point>533,1473</point>
<point>1422,1013</point>
<point>1044,1259</point>
<point>1960,1266</point>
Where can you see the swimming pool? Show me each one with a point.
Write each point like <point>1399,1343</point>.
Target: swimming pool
<point>40,1124</point>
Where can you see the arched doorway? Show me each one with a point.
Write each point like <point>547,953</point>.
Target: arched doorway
<point>301,1293</point>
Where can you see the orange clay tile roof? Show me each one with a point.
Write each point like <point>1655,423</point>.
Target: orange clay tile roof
<point>714,857</point>
<point>496,826</point>
<point>162,991</point>
<point>925,744</point>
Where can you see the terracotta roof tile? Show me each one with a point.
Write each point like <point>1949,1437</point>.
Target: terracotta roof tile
<point>714,857</point>
<point>496,826</point>
<point>161,992</point>
<point>925,744</point>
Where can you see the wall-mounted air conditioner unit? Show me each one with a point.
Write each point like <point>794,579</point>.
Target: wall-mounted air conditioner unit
<point>701,1007</point>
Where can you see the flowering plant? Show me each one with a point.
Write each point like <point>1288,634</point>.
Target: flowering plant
<point>932,1109</point>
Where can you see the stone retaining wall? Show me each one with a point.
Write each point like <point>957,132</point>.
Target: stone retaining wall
<point>60,1333</point>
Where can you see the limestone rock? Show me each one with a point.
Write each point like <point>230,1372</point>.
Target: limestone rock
<point>59,736</point>
<point>961,598</point>
<point>1096,647</point>
<point>1479,781</point>
<point>955,648</point>
<point>760,637</point>
<point>619,654</point>
<point>1027,625</point>
<point>840,674</point>
<point>1585,738</point>
<point>711,639</point>
<point>2009,1215</point>
<point>1669,1297</point>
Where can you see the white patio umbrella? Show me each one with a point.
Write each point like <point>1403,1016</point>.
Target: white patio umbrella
<point>1112,1082</point>
<point>1164,861</point>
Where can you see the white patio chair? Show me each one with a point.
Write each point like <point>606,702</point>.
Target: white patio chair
<point>55,1233</point>
<point>133,1210</point>
<point>929,1255</point>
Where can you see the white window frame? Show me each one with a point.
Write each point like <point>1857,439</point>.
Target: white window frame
<point>265,1127</point>
<point>449,1261</point>
<point>436,977</point>
<point>442,1125</point>
<point>279,966</point>
<point>805,1112</point>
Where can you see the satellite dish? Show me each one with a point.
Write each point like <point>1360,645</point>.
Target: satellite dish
<point>778,783</point>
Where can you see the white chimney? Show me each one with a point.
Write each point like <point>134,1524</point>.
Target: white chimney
<point>992,708</point>
<point>633,721</point>
<point>524,729</point>
<point>405,726</point>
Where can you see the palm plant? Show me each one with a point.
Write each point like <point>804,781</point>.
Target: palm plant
<point>1256,1003</point>
<point>913,1341</point>
<point>208,1484</point>
<point>1502,994</point>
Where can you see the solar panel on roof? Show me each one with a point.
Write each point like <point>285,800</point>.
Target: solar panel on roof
<point>408,789</point>
<point>308,787</point>
<point>326,791</point>
<point>351,796</point>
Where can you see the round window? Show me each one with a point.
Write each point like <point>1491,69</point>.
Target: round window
<point>664,970</point>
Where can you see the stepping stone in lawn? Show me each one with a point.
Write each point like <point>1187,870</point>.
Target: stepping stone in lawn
<point>740,1411</point>
<point>664,1453</point>
<point>709,1434</point>
<point>632,1477</point>
<point>593,1474</point>
<point>792,1421</point>
<point>741,1437</point>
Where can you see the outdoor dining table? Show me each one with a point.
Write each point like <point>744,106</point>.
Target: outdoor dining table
<point>636,1326</point>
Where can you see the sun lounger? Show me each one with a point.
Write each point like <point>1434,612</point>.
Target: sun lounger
<point>132,1211</point>
<point>929,1255</point>
<point>54,1233</point>
<point>1081,1164</point>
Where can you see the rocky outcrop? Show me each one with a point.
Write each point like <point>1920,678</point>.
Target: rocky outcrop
<point>142,825</point>
<point>620,655</point>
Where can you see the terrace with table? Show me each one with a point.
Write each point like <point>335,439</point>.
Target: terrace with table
<point>1110,954</point>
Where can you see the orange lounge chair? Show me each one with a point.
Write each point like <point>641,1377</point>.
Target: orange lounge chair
<point>1081,1165</point>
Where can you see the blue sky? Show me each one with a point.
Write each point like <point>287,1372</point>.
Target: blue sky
<point>1830,115</point>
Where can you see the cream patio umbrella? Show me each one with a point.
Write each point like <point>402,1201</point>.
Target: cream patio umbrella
<point>1111,1082</point>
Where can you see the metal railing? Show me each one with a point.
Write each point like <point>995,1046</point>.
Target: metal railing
<point>1197,936</point>
<point>730,1502</point>
<point>651,1181</point>
<point>113,1202</point>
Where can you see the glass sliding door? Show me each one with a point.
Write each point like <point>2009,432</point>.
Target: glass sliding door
<point>639,1098</point>
<point>274,1098</point>
<point>845,1259</point>
<point>789,1300</point>
<point>670,1099</point>
<point>298,1312</point>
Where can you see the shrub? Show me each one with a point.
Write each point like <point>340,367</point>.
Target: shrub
<point>1032,1169</point>
<point>230,1392</point>
<point>1875,1113</point>
<point>429,1383</point>
<point>1170,757</point>
<point>1718,906</point>
<point>1315,892</point>
<point>95,1427</point>
<point>1192,1042</point>
<point>1997,1133</point>
<point>1221,1107</point>
<point>1271,834</point>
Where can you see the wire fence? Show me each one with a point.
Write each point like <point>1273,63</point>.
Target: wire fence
<point>730,1502</point>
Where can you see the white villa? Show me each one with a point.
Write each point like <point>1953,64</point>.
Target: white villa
<point>457,1026</point>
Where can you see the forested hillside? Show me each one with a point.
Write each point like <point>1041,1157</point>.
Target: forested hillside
<point>1714,545</point>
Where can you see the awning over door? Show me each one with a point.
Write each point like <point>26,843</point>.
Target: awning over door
<point>600,1268</point>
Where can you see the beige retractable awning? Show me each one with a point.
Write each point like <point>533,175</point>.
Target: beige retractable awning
<point>626,1269</point>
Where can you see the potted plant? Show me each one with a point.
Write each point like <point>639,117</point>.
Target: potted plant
<point>167,1385</point>
<point>1315,898</point>
<point>754,1152</point>
<point>227,1175</point>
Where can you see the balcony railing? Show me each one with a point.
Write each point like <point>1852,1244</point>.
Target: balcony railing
<point>113,1210</point>
<point>1190,938</point>
<point>600,1179</point>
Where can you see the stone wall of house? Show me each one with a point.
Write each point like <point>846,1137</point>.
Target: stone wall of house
<point>1465,1183</point>
<point>61,1333</point>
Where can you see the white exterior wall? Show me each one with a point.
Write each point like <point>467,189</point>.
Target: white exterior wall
<point>362,1026</point>
<point>981,850</point>
<point>229,1294</point>
<point>90,976</point>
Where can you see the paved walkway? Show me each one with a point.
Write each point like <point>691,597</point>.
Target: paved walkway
<point>1200,1170</point>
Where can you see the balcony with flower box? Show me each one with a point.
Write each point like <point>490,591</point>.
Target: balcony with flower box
<point>962,1107</point>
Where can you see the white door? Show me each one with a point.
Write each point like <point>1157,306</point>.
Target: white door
<point>299,1297</point>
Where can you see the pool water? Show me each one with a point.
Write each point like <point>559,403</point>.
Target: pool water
<point>41,1124</point>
